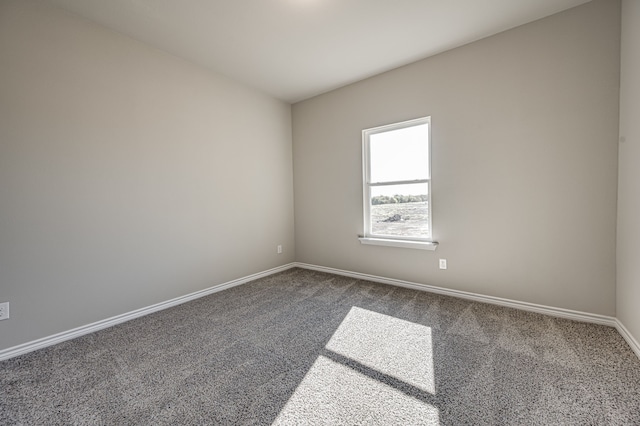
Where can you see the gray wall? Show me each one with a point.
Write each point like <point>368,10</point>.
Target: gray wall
<point>127,176</point>
<point>525,128</point>
<point>628,290</point>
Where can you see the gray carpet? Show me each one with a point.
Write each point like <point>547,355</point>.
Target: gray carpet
<point>303,347</point>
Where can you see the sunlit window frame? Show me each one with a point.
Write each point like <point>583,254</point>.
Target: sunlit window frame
<point>397,241</point>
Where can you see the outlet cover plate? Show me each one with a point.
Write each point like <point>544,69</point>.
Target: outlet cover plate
<point>4,310</point>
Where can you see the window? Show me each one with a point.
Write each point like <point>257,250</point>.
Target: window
<point>397,185</point>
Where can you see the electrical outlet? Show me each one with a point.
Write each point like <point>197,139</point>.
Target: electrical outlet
<point>443,263</point>
<point>4,310</point>
<point>279,249</point>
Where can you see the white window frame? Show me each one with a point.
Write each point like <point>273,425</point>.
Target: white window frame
<point>384,240</point>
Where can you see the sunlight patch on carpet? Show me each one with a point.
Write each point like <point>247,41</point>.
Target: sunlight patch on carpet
<point>392,346</point>
<point>335,392</point>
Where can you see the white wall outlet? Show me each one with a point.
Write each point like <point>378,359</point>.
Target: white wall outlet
<point>279,249</point>
<point>4,310</point>
<point>443,263</point>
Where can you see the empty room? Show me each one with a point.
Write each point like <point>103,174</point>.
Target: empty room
<point>319,212</point>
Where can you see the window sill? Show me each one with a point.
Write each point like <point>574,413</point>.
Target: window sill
<point>420,245</point>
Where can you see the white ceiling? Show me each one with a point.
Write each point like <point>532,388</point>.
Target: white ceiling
<point>295,49</point>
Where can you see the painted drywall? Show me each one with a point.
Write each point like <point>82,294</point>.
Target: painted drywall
<point>628,286</point>
<point>525,129</point>
<point>127,176</point>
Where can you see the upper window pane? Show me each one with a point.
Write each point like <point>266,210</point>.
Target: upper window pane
<point>400,154</point>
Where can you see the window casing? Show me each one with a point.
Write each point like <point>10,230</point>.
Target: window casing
<point>397,184</point>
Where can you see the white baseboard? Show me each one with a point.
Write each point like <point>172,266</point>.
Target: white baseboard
<point>525,306</point>
<point>118,319</point>
<point>635,346</point>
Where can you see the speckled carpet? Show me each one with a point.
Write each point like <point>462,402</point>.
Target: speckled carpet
<point>303,347</point>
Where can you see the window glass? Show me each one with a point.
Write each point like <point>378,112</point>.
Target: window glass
<point>397,181</point>
<point>400,210</point>
<point>401,154</point>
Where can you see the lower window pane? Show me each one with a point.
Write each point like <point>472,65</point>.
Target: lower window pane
<point>400,211</point>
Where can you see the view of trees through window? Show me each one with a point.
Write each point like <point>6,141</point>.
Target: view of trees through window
<point>397,198</point>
